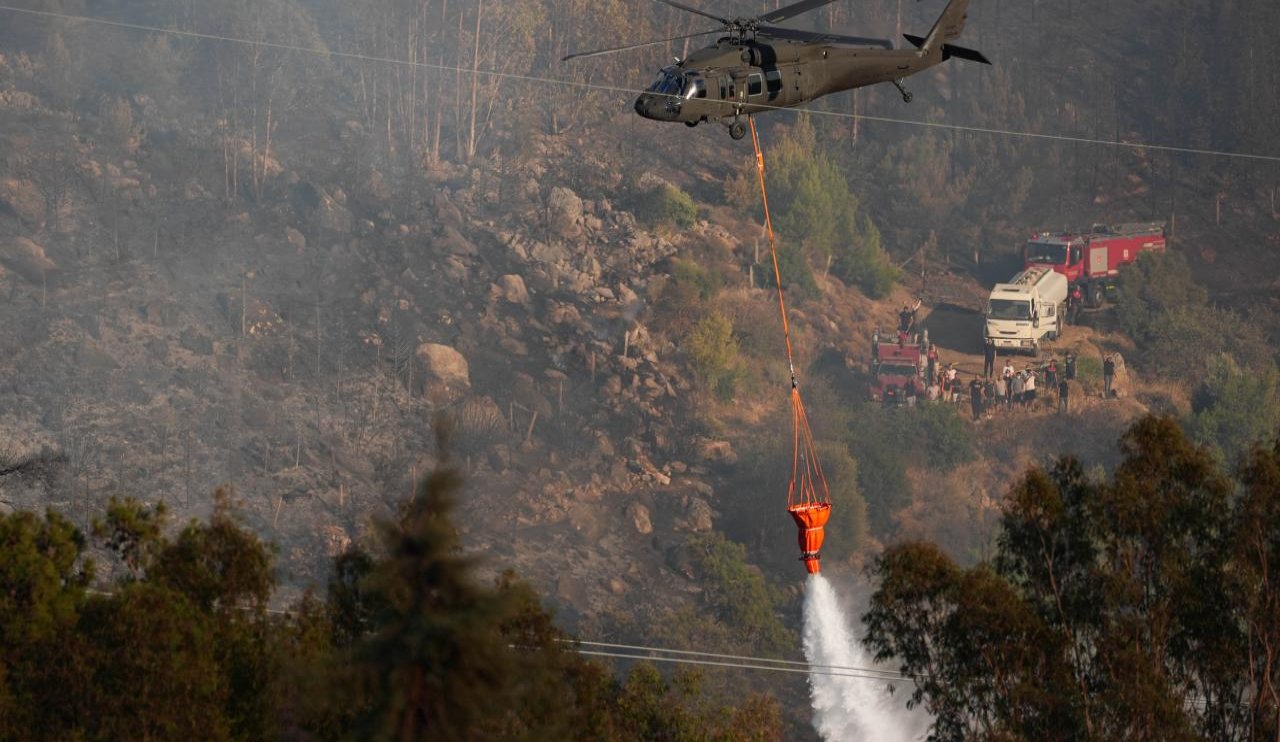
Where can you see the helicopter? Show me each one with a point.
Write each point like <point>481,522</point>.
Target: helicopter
<point>757,67</point>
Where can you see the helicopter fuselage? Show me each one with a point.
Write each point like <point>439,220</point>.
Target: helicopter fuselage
<point>735,78</point>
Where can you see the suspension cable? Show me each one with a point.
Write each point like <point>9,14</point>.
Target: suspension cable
<point>808,485</point>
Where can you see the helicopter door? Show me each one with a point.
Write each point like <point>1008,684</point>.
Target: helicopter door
<point>755,85</point>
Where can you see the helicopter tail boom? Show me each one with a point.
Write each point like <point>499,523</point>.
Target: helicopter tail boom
<point>951,50</point>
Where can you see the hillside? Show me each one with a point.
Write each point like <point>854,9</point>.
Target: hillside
<point>281,271</point>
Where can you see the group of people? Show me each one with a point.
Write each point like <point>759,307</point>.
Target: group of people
<point>1013,388</point>
<point>1009,389</point>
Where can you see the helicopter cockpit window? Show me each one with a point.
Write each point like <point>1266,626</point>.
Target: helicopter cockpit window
<point>695,88</point>
<point>755,85</point>
<point>671,83</point>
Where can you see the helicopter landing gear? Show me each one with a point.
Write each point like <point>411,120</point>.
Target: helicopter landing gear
<point>906,94</point>
<point>737,130</point>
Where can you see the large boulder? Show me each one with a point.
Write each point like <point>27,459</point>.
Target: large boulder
<point>564,213</point>
<point>446,375</point>
<point>639,516</point>
<point>26,258</point>
<point>23,198</point>
<point>513,289</point>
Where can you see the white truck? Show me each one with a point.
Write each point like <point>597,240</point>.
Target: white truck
<point>1027,309</point>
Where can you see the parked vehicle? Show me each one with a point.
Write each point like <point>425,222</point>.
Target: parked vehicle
<point>895,364</point>
<point>1093,260</point>
<point>1026,310</point>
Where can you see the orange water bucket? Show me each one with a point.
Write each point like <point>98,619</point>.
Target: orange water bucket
<point>811,519</point>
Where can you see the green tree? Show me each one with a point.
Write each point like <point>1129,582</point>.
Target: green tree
<point>865,263</point>
<point>1113,609</point>
<point>1233,407</point>
<point>1169,316</point>
<point>435,663</point>
<point>1256,554</point>
<point>737,594</point>
<point>155,673</point>
<point>41,573</point>
<point>714,352</point>
<point>813,206</point>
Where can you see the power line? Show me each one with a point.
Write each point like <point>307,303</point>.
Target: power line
<point>890,674</point>
<point>633,91</point>
<point>752,663</point>
<point>731,665</point>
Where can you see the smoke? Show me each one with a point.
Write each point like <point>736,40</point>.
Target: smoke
<point>849,709</point>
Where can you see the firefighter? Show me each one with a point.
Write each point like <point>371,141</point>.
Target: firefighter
<point>1070,374</point>
<point>1074,300</point>
<point>1108,375</point>
<point>989,357</point>
<point>1051,374</point>
<point>975,398</point>
<point>1064,390</point>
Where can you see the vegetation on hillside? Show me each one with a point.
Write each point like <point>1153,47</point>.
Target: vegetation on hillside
<point>814,208</point>
<point>1143,605</point>
<point>406,644</point>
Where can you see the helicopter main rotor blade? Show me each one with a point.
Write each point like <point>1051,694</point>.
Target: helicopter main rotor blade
<point>793,10</point>
<point>777,32</point>
<point>695,11</point>
<point>598,52</point>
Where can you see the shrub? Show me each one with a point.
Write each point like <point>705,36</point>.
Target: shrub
<point>714,353</point>
<point>1089,373</point>
<point>683,299</point>
<point>736,593</point>
<point>704,282</point>
<point>667,206</point>
<point>886,441</point>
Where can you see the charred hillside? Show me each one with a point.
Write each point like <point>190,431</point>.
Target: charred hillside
<point>256,264</point>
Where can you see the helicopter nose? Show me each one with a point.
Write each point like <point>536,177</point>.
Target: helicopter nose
<point>644,106</point>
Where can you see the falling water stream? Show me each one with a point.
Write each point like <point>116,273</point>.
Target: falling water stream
<point>849,709</point>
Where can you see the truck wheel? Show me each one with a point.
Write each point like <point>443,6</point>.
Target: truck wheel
<point>1097,295</point>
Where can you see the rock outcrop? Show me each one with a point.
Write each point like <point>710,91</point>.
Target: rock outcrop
<point>27,259</point>
<point>446,375</point>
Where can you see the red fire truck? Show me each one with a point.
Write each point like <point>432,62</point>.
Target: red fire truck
<point>894,364</point>
<point>1092,260</point>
